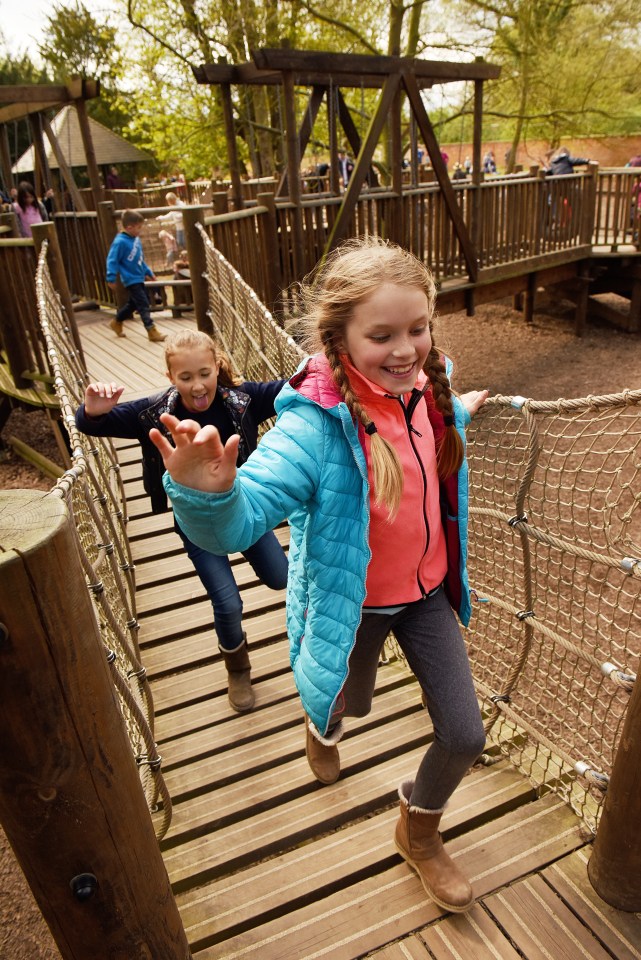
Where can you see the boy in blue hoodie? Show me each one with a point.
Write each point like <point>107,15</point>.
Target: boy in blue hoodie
<point>125,258</point>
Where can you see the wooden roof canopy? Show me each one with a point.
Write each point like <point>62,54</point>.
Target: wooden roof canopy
<point>31,100</point>
<point>322,71</point>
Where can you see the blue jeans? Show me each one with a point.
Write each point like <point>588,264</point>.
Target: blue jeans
<point>269,563</point>
<point>138,300</point>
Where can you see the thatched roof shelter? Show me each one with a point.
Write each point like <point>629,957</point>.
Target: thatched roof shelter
<point>109,147</point>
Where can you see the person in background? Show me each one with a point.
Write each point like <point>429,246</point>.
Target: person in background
<point>174,218</point>
<point>489,163</point>
<point>367,460</point>
<point>204,389</point>
<point>345,168</point>
<point>562,164</point>
<point>113,180</point>
<point>126,259</point>
<point>28,209</point>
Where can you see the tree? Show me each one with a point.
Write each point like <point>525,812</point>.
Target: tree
<point>568,66</point>
<point>77,44</point>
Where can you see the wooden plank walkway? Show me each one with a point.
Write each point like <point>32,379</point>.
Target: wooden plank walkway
<point>265,862</point>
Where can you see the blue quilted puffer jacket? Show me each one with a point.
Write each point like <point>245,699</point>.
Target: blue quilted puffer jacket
<point>310,468</point>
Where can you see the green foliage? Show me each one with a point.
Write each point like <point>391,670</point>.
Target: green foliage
<point>76,44</point>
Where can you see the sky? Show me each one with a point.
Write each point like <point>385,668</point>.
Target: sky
<point>22,22</point>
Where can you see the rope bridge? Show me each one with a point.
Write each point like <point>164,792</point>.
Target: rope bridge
<point>93,492</point>
<point>555,559</point>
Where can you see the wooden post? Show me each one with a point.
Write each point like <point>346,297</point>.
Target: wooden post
<point>71,802</point>
<point>293,171</point>
<point>614,868</point>
<point>108,230</point>
<point>65,170</point>
<point>198,267</point>
<point>476,227</point>
<point>268,227</point>
<point>5,158</point>
<point>232,152</point>
<point>47,231</point>
<point>90,153</point>
<point>41,175</point>
<point>15,343</point>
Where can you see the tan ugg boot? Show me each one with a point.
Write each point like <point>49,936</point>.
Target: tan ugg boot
<point>155,335</point>
<point>322,752</point>
<point>116,326</point>
<point>419,842</point>
<point>239,688</point>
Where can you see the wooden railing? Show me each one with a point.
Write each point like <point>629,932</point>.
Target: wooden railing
<point>523,219</point>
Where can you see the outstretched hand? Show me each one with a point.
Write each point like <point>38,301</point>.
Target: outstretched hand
<point>474,400</point>
<point>199,459</point>
<point>101,398</point>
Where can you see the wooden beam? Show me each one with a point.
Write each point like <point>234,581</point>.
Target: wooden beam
<point>305,132</point>
<point>76,196</point>
<point>90,153</point>
<point>390,88</point>
<point>5,159</point>
<point>293,166</point>
<point>48,93</point>
<point>41,173</point>
<point>362,63</point>
<point>352,134</point>
<point>232,150</point>
<point>249,74</point>
<point>449,196</point>
<point>19,110</point>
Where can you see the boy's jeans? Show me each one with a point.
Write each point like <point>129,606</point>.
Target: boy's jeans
<point>138,300</point>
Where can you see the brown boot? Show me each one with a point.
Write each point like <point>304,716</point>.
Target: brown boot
<point>418,841</point>
<point>239,688</point>
<point>155,335</point>
<point>116,326</point>
<point>322,752</point>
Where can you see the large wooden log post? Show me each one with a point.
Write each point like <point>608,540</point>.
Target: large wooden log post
<point>71,802</point>
<point>197,267</point>
<point>615,865</point>
<point>47,231</point>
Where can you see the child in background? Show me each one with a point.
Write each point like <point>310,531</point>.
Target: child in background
<point>174,218</point>
<point>28,209</point>
<point>204,389</point>
<point>126,258</point>
<point>367,461</point>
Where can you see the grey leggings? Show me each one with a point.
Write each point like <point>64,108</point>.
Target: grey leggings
<point>428,634</point>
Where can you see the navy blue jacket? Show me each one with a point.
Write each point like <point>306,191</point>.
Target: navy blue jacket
<point>235,410</point>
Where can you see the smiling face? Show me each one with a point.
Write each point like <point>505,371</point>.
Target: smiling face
<point>194,373</point>
<point>388,336</point>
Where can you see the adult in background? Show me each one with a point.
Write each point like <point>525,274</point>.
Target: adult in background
<point>113,180</point>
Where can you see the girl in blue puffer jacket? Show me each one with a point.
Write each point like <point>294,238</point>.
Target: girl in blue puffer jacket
<point>367,461</point>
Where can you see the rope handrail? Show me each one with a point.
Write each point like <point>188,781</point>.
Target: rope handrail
<point>93,492</point>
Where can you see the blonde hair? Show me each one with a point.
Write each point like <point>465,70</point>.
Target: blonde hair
<point>199,340</point>
<point>350,274</point>
<point>172,198</point>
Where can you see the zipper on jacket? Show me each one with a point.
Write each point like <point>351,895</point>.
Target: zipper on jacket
<point>408,411</point>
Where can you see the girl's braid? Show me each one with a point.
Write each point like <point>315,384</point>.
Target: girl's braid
<point>450,451</point>
<point>387,473</point>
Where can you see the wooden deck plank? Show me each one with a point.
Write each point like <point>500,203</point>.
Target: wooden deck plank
<point>372,912</point>
<point>268,888</point>
<point>619,931</point>
<point>540,925</point>
<point>411,948</point>
<point>472,935</point>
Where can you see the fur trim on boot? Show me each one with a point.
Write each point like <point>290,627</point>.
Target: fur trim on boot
<point>418,841</point>
<point>239,688</point>
<point>322,752</point>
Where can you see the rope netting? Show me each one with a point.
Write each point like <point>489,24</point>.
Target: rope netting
<point>555,565</point>
<point>93,492</point>
<point>555,559</point>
